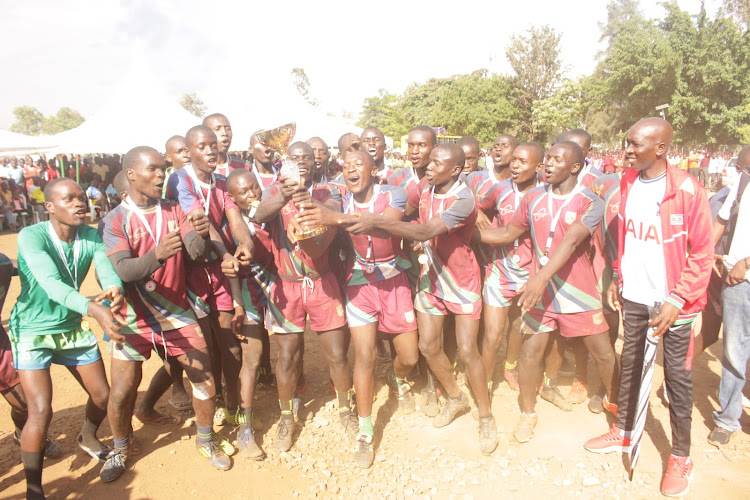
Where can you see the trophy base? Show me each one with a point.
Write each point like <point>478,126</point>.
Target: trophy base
<point>312,232</point>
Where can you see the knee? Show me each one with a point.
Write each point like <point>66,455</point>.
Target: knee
<point>337,355</point>
<point>428,347</point>
<point>468,351</point>
<point>410,358</point>
<point>39,410</point>
<point>364,359</point>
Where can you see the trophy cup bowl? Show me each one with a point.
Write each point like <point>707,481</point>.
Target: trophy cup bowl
<point>278,138</point>
<point>289,170</point>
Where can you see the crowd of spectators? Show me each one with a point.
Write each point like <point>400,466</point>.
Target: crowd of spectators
<point>22,182</point>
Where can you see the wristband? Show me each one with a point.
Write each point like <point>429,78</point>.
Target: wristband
<point>235,303</point>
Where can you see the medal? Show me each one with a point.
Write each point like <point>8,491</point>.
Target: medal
<point>85,326</point>
<point>516,258</point>
<point>150,286</point>
<point>370,268</point>
<point>543,260</point>
<point>422,259</point>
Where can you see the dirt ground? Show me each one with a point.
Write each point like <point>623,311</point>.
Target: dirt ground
<point>412,458</point>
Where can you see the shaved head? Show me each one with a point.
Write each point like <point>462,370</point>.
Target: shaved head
<point>236,175</point>
<point>574,152</point>
<point>455,152</point>
<point>120,183</point>
<point>655,128</point>
<point>132,157</point>
<point>577,135</point>
<point>364,155</point>
<point>536,151</point>
<point>174,141</point>
<point>210,118</point>
<point>468,140</point>
<point>53,188</point>
<point>347,142</point>
<point>191,136</point>
<point>300,145</point>
<point>427,130</point>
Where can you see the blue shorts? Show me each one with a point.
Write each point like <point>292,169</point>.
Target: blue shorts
<point>74,348</point>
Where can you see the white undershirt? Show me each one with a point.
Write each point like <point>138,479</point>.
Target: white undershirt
<point>643,267</point>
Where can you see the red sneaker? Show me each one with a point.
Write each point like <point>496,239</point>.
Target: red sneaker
<point>610,407</point>
<point>511,377</point>
<point>614,440</point>
<point>676,482</point>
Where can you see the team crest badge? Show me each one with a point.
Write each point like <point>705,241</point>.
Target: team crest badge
<point>570,217</point>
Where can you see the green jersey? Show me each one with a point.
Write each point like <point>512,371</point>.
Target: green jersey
<point>49,302</point>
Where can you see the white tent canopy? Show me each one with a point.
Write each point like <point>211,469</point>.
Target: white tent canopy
<point>138,114</point>
<point>13,144</point>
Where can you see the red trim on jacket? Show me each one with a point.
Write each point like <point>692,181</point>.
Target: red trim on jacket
<point>687,233</point>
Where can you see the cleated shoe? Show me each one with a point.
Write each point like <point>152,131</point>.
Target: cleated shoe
<point>284,433</point>
<point>554,396</point>
<point>403,393</point>
<point>676,482</point>
<point>365,454</point>
<point>430,406</point>
<point>487,435</point>
<point>220,413</point>
<point>249,449</point>
<point>524,430</point>
<point>215,455</point>
<point>113,467</point>
<point>350,423</point>
<point>578,392</point>
<point>266,379</point>
<point>612,441</point>
<point>451,409</point>
<point>231,417</point>
<point>223,444</point>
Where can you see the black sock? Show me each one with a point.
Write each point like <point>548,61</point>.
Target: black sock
<point>32,467</point>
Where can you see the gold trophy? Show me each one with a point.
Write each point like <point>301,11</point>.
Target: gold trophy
<point>278,138</point>
<point>290,171</point>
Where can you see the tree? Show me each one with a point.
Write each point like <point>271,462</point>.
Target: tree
<point>740,11</point>
<point>194,104</point>
<point>29,120</point>
<point>65,119</point>
<point>382,111</point>
<point>302,82</point>
<point>536,62</point>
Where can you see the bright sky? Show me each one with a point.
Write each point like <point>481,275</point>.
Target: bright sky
<point>73,53</point>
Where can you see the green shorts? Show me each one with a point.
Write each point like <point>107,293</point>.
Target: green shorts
<point>74,348</point>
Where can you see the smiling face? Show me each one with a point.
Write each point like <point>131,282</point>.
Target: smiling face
<point>67,203</point>
<point>524,164</point>
<point>373,141</point>
<point>302,154</point>
<point>223,130</point>
<point>359,168</point>
<point>502,150</point>
<point>559,165</point>
<point>244,190</point>
<point>146,176</point>
<point>642,148</point>
<point>420,146</point>
<point>203,149</point>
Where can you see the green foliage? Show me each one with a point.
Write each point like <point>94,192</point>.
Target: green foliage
<point>65,119</point>
<point>194,104</point>
<point>699,65</point>
<point>31,121</point>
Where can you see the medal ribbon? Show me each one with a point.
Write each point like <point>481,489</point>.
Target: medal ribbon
<point>206,200</point>
<point>76,253</point>
<point>139,213</point>
<point>371,209</point>
<point>556,218</point>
